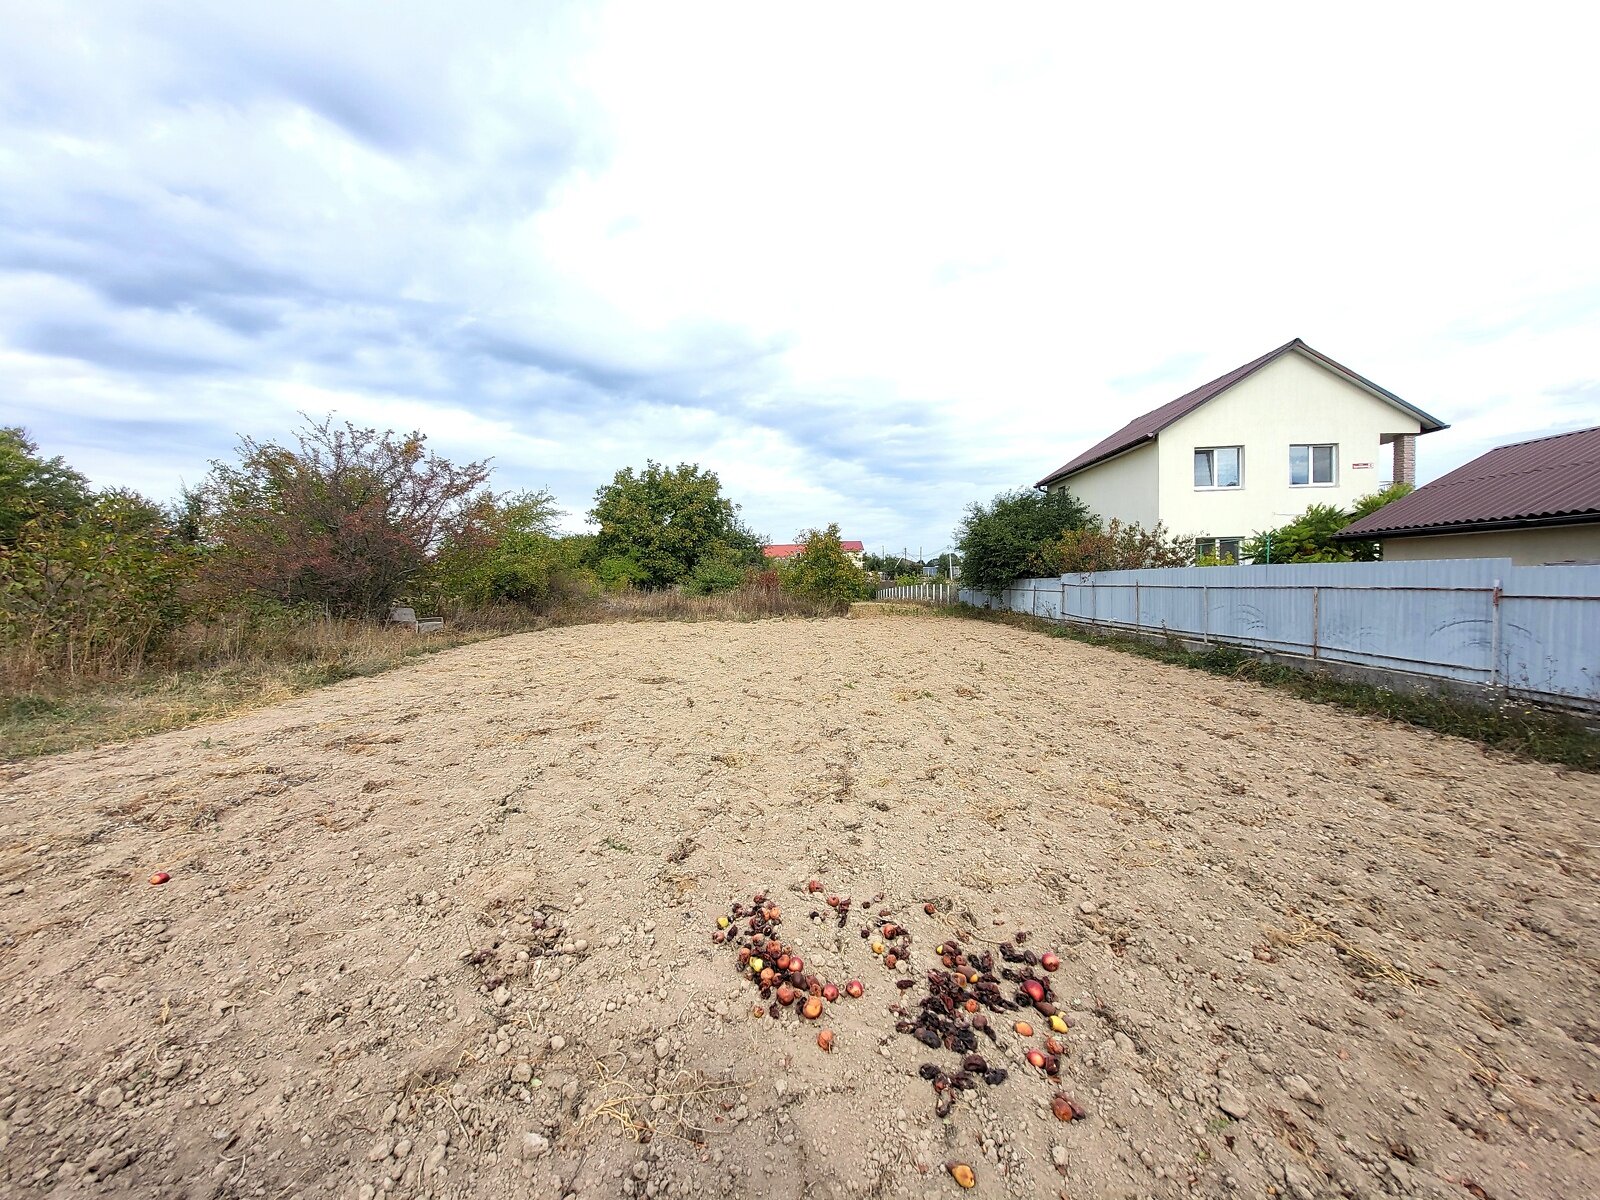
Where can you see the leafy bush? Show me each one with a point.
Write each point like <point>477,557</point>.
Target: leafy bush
<point>345,519</point>
<point>619,572</point>
<point>720,569</point>
<point>1017,535</point>
<point>505,552</point>
<point>1120,547</point>
<point>1310,536</point>
<point>90,589</point>
<point>823,572</point>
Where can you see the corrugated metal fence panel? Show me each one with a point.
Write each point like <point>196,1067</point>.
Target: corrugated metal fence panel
<point>1550,631</point>
<point>1538,635</point>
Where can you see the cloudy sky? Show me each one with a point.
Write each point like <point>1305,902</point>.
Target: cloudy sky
<point>868,262</point>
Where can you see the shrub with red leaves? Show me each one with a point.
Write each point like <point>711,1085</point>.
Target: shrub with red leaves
<point>343,520</point>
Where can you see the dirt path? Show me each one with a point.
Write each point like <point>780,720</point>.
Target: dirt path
<point>447,932</point>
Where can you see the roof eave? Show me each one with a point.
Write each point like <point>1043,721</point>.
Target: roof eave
<point>1582,518</point>
<point>1429,423</point>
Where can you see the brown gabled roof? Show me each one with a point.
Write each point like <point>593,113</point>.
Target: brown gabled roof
<point>1144,429</point>
<point>1549,480</point>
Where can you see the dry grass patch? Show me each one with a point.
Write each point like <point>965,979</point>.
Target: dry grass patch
<point>220,668</point>
<point>1362,961</point>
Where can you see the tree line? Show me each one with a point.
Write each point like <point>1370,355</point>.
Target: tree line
<point>1029,533</point>
<point>338,521</point>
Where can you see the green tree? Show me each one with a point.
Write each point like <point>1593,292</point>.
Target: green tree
<point>663,520</point>
<point>1016,535</point>
<point>1373,501</point>
<point>1310,536</point>
<point>32,486</point>
<point>823,570</point>
<point>888,564</point>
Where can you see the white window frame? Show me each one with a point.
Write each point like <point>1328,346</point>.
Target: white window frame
<point>1211,547</point>
<point>1311,464</point>
<point>1218,487</point>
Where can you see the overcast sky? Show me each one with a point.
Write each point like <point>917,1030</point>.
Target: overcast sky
<point>869,262</point>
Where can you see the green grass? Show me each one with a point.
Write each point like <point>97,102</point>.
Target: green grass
<point>1511,727</point>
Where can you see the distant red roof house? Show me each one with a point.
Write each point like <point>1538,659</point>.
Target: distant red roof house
<point>791,549</point>
<point>1533,502</point>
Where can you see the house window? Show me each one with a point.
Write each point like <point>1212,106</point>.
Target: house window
<point>1219,467</point>
<point>1313,466</point>
<point>1215,550</point>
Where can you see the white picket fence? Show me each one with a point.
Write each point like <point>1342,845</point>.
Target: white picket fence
<point>1531,632</point>
<point>933,593</point>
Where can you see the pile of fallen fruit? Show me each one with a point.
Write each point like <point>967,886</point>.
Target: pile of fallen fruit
<point>951,1016</point>
<point>960,996</point>
<point>775,968</point>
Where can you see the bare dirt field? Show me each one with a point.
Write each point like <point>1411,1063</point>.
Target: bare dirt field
<point>449,932</point>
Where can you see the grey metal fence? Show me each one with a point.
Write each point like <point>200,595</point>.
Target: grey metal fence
<point>1530,631</point>
<point>936,593</point>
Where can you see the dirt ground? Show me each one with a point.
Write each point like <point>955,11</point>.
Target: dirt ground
<point>448,932</point>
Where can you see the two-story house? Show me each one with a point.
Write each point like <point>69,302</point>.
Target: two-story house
<point>1250,451</point>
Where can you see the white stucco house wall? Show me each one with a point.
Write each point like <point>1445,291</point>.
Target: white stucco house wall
<point>1250,451</point>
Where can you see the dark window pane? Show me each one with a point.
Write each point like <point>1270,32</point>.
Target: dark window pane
<point>1322,464</point>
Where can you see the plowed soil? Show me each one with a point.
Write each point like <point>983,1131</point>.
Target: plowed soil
<point>447,932</point>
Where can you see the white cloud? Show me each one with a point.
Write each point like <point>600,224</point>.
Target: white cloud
<point>870,263</point>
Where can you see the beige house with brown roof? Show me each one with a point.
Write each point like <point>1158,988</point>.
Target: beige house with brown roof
<point>1251,450</point>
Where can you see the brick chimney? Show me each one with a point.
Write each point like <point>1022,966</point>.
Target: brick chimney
<point>1405,458</point>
